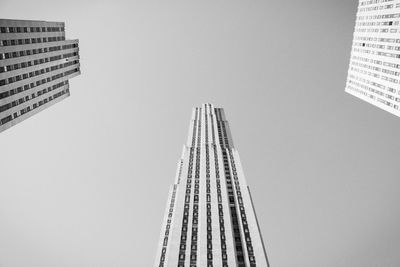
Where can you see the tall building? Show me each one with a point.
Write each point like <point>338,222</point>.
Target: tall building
<point>36,62</point>
<point>210,218</point>
<point>374,71</point>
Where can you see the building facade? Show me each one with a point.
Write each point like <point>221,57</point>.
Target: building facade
<point>36,62</point>
<point>374,71</point>
<point>210,218</point>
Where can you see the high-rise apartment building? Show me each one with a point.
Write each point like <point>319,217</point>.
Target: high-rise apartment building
<point>36,62</point>
<point>374,71</point>
<point>210,218</point>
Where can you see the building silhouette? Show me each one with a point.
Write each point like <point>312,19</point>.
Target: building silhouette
<point>374,71</point>
<point>36,62</point>
<point>210,218</point>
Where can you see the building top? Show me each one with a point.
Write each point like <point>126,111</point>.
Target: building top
<point>14,22</point>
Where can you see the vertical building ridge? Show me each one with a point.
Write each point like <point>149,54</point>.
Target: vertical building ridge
<point>210,219</point>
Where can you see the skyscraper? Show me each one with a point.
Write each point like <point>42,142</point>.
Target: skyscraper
<point>210,218</point>
<point>374,71</point>
<point>36,62</point>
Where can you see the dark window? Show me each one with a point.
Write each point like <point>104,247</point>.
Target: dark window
<point>5,107</point>
<point>4,94</point>
<point>6,119</point>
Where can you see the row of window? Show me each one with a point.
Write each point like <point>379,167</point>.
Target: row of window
<point>208,198</point>
<point>182,246</point>
<point>29,52</point>
<point>30,97</point>
<point>372,2</point>
<point>245,226</point>
<point>365,86</point>
<point>37,40</point>
<point>31,74</point>
<point>371,67</point>
<point>37,83</point>
<point>35,62</point>
<point>379,53</point>
<point>374,75</point>
<point>377,46</point>
<point>376,30</point>
<point>219,197</point>
<point>185,219</point>
<point>193,246</point>
<point>34,106</point>
<point>167,228</point>
<point>30,29</point>
<point>376,16</point>
<point>377,23</point>
<point>374,8</point>
<point>376,39</point>
<point>371,96</point>
<point>376,91</point>
<point>223,140</point>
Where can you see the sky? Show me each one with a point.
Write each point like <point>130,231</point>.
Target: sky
<point>85,182</point>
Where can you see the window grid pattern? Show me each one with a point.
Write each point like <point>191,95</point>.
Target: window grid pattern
<point>245,225</point>
<point>35,64</point>
<point>374,69</point>
<point>238,242</point>
<point>185,219</point>
<point>219,197</point>
<point>167,227</point>
<point>231,196</point>
<point>208,197</point>
<point>196,196</point>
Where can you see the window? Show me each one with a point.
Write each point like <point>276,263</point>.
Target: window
<point>6,119</point>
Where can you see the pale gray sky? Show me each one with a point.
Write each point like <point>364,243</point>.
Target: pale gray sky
<point>84,183</point>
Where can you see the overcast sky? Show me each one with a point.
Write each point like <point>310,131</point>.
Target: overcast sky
<point>84,183</point>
